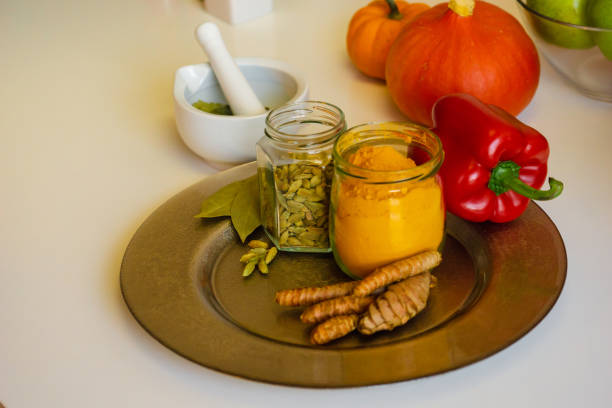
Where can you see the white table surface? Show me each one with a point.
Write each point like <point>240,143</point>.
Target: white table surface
<point>90,149</point>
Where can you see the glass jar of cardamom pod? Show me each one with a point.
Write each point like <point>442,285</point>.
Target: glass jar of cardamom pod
<point>294,164</point>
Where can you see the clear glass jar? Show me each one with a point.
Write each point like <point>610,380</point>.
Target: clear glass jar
<point>386,198</point>
<point>294,163</point>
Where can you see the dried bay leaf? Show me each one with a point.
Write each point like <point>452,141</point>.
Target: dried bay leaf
<point>220,203</point>
<point>245,208</point>
<point>240,201</point>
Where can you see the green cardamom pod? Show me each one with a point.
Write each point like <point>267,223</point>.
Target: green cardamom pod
<point>271,255</point>
<point>263,267</point>
<point>249,267</point>
<point>255,243</point>
<point>248,256</point>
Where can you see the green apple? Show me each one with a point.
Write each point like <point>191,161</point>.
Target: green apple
<point>568,11</point>
<point>599,14</point>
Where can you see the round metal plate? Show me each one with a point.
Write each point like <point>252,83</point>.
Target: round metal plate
<point>181,279</point>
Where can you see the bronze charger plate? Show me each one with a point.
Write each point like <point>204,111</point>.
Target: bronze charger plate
<point>181,279</point>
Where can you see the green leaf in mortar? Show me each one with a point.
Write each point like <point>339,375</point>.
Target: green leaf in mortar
<point>213,107</point>
<point>220,203</point>
<point>245,208</point>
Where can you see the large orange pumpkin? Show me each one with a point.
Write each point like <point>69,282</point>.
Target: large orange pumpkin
<point>373,29</point>
<point>462,47</point>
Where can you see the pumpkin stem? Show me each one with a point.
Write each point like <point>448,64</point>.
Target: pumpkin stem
<point>394,14</point>
<point>464,8</point>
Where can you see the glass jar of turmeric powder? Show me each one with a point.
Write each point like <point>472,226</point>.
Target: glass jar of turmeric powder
<point>386,198</point>
<point>294,163</point>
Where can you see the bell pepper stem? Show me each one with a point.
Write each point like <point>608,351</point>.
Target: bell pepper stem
<point>505,176</point>
<point>394,14</point>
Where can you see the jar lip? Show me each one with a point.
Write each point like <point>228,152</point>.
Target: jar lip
<point>420,171</point>
<point>308,139</point>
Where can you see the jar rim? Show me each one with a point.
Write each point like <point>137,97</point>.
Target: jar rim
<point>420,171</point>
<point>301,108</point>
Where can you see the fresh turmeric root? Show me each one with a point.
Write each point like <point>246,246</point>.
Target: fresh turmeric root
<point>333,328</point>
<point>335,307</point>
<point>309,296</point>
<point>397,271</point>
<point>348,305</point>
<point>400,303</point>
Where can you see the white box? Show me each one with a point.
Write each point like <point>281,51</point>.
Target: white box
<point>238,11</point>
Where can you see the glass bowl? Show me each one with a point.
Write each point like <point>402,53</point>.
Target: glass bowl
<point>575,51</point>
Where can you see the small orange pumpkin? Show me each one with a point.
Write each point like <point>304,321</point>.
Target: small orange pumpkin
<point>373,29</point>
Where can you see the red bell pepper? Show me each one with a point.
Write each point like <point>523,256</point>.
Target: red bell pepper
<point>493,162</point>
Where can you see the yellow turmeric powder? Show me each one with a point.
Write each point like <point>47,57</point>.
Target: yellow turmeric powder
<point>376,223</point>
<point>381,158</point>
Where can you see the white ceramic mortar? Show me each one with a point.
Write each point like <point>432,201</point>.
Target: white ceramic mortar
<point>226,141</point>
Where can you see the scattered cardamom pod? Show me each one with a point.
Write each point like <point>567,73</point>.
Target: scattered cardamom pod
<point>258,256</point>
<point>248,256</point>
<point>249,268</point>
<point>259,251</point>
<point>257,244</point>
<point>263,266</point>
<point>271,255</point>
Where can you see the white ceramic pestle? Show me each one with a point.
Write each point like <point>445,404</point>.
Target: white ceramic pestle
<point>236,89</point>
